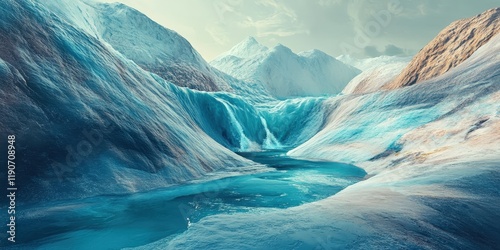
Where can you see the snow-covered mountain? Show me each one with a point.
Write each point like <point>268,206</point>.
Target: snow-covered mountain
<point>365,64</point>
<point>140,39</point>
<point>377,72</point>
<point>284,73</point>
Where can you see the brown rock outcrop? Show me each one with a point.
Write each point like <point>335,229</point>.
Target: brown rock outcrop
<point>452,46</point>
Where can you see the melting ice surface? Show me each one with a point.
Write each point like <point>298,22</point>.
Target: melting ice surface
<point>113,222</point>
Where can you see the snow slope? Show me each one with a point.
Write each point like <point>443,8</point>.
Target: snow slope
<point>283,73</point>
<point>354,128</point>
<point>150,45</point>
<point>377,72</point>
<point>365,64</point>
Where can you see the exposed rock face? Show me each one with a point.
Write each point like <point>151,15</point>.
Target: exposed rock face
<point>452,46</point>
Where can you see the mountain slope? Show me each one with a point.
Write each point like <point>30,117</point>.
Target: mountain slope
<point>150,45</point>
<point>283,73</point>
<point>88,121</point>
<point>362,126</point>
<point>452,46</point>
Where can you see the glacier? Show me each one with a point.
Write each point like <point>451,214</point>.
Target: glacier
<point>142,138</point>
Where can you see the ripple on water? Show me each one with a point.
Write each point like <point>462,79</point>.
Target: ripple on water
<point>147,217</point>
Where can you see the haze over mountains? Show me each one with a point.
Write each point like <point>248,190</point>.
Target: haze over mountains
<point>105,102</point>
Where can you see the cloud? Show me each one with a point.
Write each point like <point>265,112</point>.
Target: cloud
<point>393,50</point>
<point>227,9</point>
<point>279,20</point>
<point>278,24</point>
<point>389,50</point>
<point>371,51</point>
<point>329,2</point>
<point>218,33</point>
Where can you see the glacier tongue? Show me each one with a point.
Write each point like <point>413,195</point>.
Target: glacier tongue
<point>245,143</point>
<point>270,142</point>
<point>242,126</point>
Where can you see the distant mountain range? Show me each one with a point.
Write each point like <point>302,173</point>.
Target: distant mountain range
<point>283,73</point>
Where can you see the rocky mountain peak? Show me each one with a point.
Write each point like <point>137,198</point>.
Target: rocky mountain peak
<point>452,46</point>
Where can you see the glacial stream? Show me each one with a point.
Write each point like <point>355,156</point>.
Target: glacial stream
<point>118,221</point>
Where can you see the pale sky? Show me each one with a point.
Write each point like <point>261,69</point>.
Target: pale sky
<point>363,28</point>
